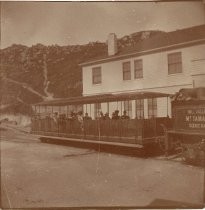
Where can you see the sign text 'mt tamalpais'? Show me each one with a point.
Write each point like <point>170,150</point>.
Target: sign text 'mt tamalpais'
<point>191,118</point>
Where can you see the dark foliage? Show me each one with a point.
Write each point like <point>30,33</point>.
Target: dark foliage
<point>23,70</point>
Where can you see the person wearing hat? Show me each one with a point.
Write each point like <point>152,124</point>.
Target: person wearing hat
<point>125,116</point>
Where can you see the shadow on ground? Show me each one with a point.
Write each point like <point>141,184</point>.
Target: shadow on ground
<point>152,151</point>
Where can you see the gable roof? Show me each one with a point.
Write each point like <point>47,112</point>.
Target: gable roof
<point>162,41</point>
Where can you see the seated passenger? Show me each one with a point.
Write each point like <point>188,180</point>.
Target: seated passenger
<point>86,117</point>
<point>115,115</point>
<point>80,119</point>
<point>55,117</point>
<point>73,115</point>
<point>125,116</point>
<point>101,116</point>
<point>106,117</point>
<point>80,116</point>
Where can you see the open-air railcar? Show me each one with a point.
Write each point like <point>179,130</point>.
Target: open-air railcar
<point>136,131</point>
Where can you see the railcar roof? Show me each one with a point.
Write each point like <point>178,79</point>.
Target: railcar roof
<point>102,98</point>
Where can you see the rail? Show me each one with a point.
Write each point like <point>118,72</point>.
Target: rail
<point>134,131</point>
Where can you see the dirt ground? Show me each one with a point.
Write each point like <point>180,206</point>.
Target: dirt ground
<point>35,174</point>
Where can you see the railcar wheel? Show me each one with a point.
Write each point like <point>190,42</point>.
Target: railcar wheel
<point>193,155</point>
<point>201,158</point>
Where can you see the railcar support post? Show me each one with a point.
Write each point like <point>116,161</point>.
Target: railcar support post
<point>121,108</point>
<point>204,189</point>
<point>90,110</point>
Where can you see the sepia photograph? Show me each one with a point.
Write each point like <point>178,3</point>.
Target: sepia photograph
<point>102,104</point>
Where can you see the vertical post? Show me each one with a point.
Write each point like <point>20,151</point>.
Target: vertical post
<point>146,101</point>
<point>98,121</point>
<point>121,108</point>
<point>136,122</point>
<point>155,119</point>
<point>167,107</point>
<point>58,120</point>
<point>204,189</point>
<point>128,108</point>
<point>108,129</point>
<point>193,83</point>
<point>45,119</point>
<point>90,110</point>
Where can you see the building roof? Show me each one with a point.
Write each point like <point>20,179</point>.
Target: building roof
<point>162,41</point>
<point>102,98</point>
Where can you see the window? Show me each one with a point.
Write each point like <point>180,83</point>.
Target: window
<point>97,109</point>
<point>96,75</point>
<point>128,108</point>
<point>139,108</point>
<point>152,107</point>
<point>126,71</point>
<point>174,63</point>
<point>138,69</point>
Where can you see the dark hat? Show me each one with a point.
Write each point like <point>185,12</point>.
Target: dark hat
<point>80,112</point>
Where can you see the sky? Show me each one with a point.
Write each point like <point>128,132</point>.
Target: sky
<point>67,23</point>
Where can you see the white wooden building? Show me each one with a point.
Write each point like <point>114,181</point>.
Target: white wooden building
<point>163,63</point>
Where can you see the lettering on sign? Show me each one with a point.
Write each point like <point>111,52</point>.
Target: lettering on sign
<point>191,118</point>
